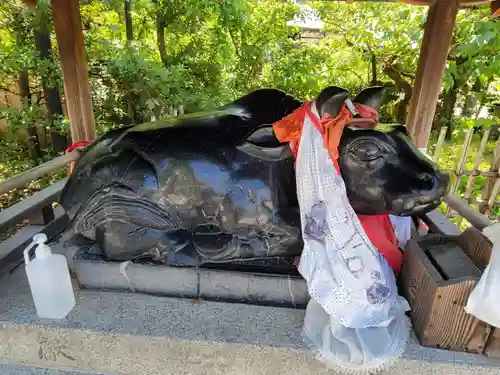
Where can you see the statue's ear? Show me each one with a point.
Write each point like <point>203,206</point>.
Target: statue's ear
<point>372,96</point>
<point>330,100</point>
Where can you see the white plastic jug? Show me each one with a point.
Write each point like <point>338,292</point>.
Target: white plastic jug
<point>49,280</point>
<point>483,301</point>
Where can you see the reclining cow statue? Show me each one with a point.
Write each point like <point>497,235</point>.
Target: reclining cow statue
<point>217,186</point>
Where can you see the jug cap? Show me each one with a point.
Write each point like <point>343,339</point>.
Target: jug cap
<point>42,250</point>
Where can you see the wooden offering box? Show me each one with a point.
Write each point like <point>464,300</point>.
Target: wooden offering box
<point>439,273</point>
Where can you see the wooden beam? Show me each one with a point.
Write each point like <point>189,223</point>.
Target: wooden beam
<point>30,3</point>
<point>439,223</point>
<point>462,207</point>
<point>35,173</point>
<point>433,54</point>
<point>495,8</point>
<point>18,212</point>
<point>69,35</point>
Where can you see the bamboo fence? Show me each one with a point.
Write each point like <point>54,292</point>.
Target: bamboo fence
<point>488,200</point>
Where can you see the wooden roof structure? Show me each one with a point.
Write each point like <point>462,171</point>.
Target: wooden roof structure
<point>433,55</point>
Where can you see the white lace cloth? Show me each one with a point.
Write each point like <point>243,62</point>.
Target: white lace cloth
<point>355,320</point>
<point>402,229</point>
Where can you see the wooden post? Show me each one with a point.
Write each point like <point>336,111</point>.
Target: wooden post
<point>69,35</point>
<point>433,54</point>
<point>495,8</point>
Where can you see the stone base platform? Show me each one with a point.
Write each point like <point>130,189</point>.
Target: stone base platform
<point>139,334</point>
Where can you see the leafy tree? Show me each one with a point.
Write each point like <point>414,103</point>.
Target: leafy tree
<point>149,59</point>
<point>386,36</point>
<point>18,57</point>
<point>473,67</point>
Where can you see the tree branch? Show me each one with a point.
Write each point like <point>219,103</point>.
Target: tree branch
<point>373,61</point>
<point>347,70</point>
<point>127,4</point>
<point>2,88</point>
<point>401,106</point>
<point>396,76</point>
<point>341,30</point>
<point>231,36</point>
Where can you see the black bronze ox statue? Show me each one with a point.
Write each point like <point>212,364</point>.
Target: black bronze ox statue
<point>217,186</point>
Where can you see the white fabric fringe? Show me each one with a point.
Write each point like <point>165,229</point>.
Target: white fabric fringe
<point>355,321</point>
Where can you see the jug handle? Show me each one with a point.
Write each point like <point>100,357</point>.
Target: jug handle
<point>38,239</point>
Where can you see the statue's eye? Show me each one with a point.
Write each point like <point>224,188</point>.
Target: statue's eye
<point>367,151</point>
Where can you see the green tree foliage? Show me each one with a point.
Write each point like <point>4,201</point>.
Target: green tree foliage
<point>150,59</point>
<point>473,68</point>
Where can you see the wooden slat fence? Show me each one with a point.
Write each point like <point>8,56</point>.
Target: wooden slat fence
<point>467,182</point>
<point>33,214</point>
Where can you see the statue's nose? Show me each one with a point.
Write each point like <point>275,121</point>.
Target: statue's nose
<point>426,180</point>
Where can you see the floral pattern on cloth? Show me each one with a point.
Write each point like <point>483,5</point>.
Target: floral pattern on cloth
<point>316,225</point>
<point>355,320</point>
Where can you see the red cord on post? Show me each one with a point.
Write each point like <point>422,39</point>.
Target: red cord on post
<point>76,145</point>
